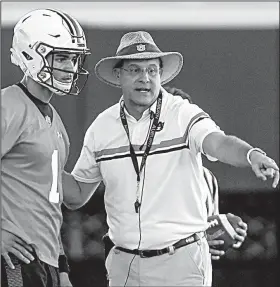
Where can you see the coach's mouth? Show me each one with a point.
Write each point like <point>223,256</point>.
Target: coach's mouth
<point>143,90</point>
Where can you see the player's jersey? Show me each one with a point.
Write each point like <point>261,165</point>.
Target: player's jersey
<point>212,201</point>
<point>33,155</point>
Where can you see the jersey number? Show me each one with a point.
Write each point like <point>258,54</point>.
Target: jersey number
<point>54,194</point>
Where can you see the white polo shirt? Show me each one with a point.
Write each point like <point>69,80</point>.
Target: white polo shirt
<point>173,188</point>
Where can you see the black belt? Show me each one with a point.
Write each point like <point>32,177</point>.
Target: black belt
<point>170,249</point>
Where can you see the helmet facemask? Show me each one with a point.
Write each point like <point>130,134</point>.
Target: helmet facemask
<point>78,74</point>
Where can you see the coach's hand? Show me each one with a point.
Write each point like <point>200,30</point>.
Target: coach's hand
<point>263,167</point>
<point>15,245</point>
<point>215,248</point>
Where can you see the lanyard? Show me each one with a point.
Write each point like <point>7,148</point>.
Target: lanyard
<point>148,146</point>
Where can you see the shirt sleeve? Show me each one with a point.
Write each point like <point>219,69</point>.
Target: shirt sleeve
<point>199,132</point>
<point>197,125</point>
<point>86,169</point>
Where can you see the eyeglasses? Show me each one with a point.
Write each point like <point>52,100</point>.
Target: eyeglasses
<point>134,70</point>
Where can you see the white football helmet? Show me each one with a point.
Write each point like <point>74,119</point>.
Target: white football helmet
<point>45,31</point>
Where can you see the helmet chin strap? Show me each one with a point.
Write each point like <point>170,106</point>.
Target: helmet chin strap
<point>57,87</point>
<point>57,91</point>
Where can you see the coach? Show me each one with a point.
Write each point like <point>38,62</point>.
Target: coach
<point>147,149</point>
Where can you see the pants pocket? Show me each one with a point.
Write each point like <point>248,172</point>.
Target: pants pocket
<point>185,267</point>
<point>196,257</point>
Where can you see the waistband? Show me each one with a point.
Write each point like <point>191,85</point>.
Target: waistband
<point>170,249</point>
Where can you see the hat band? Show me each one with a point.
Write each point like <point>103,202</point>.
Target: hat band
<point>138,48</point>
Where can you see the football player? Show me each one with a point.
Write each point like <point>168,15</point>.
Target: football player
<point>50,48</point>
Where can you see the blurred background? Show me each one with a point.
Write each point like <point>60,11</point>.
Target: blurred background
<point>231,70</point>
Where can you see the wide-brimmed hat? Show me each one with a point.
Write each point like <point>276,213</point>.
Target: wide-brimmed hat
<point>139,45</point>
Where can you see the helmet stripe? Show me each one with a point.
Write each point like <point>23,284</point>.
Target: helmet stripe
<point>79,31</point>
<point>80,34</point>
<point>65,17</point>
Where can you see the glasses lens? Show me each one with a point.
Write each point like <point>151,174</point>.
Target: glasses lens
<point>137,71</point>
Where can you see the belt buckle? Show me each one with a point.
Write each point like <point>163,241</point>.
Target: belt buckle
<point>141,254</point>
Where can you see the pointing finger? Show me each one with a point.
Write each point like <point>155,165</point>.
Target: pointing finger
<point>271,163</point>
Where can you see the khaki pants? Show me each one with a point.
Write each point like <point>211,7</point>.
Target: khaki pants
<point>188,266</point>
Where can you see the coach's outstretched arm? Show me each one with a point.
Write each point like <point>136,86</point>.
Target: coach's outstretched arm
<point>236,152</point>
<point>76,193</point>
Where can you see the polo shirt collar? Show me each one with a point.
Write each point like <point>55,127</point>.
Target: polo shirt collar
<point>147,112</point>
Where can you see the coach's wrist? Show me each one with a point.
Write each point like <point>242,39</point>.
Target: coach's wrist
<point>251,151</point>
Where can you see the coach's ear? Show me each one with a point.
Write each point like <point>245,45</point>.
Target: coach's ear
<point>117,73</point>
